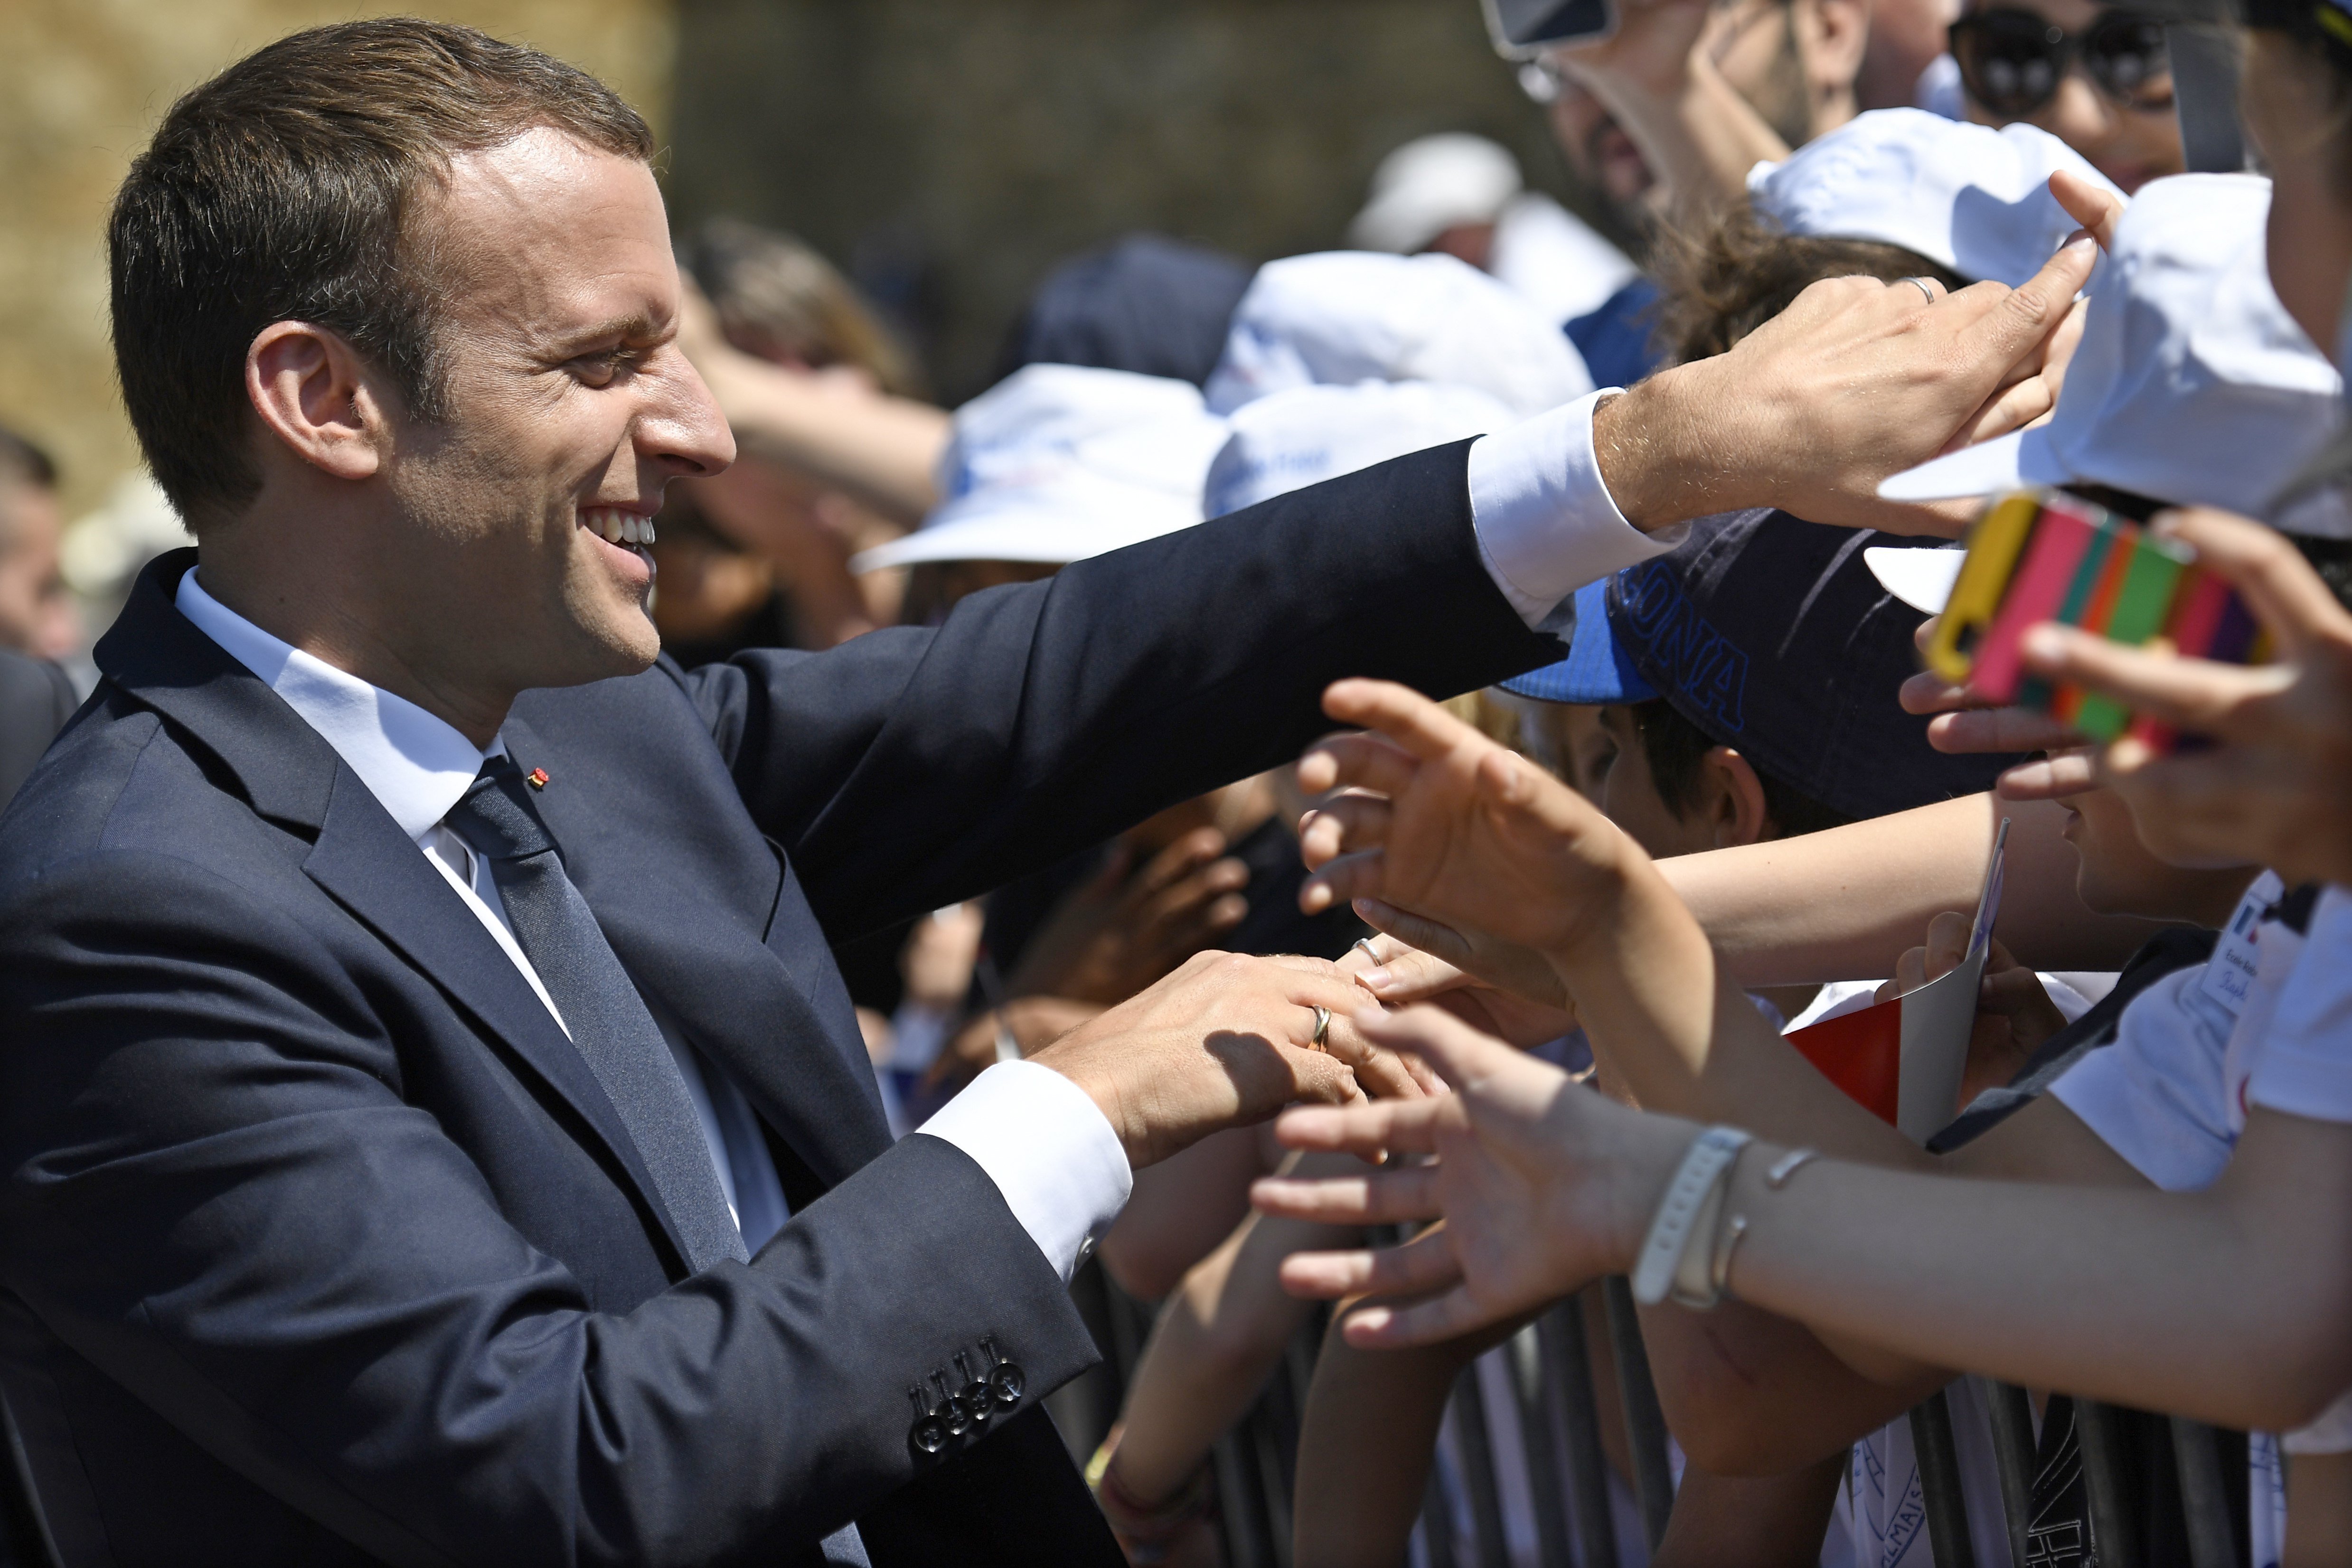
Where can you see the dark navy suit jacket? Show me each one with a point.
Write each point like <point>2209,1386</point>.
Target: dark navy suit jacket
<point>319,1242</point>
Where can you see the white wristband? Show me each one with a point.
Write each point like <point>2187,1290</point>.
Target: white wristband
<point>1694,1197</point>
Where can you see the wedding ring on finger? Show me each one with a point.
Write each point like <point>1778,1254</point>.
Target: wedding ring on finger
<point>1921,285</point>
<point>1322,1027</point>
<point>1366,943</point>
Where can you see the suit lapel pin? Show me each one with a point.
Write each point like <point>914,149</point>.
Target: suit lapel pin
<point>535,777</point>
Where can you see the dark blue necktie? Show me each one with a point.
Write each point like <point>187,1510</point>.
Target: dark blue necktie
<point>608,1021</point>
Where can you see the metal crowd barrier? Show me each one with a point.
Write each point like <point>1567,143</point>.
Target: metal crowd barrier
<point>2159,1491</point>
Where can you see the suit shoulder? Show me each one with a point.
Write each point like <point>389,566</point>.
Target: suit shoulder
<point>119,784</point>
<point>65,802</point>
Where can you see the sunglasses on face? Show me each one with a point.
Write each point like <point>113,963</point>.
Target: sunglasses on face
<point>2012,60</point>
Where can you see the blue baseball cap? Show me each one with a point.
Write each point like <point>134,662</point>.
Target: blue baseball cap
<point>1596,672</point>
<point>1772,636</point>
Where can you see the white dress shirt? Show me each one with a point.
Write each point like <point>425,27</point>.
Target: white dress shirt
<point>1546,526</point>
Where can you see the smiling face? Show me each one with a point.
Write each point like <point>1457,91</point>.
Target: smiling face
<point>524,513</point>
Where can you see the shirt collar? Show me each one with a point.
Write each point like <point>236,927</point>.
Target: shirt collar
<point>415,765</point>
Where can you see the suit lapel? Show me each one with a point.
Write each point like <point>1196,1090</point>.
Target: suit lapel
<point>367,864</point>
<point>690,932</point>
<point>290,776</point>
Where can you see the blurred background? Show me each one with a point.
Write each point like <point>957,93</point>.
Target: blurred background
<point>944,153</point>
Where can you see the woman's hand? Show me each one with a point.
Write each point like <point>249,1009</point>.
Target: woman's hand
<point>1542,1186</point>
<point>2275,788</point>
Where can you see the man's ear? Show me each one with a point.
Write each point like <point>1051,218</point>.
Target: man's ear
<point>315,398</point>
<point>1733,798</point>
<point>1831,37</point>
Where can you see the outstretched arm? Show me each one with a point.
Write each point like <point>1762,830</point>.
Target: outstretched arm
<point>2226,1305</point>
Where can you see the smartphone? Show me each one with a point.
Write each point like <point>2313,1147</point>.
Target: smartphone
<point>1522,28</point>
<point>2045,555</point>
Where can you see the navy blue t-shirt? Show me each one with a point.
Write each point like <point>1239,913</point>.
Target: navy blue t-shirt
<point>1615,339</point>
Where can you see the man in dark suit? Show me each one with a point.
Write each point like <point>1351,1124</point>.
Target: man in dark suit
<point>432,1129</point>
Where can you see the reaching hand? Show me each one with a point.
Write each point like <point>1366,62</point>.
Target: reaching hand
<point>2095,207</point>
<point>1120,932</point>
<point>1448,824</point>
<point>2271,789</point>
<point>1542,1186</point>
<point>1224,1042</point>
<point>1856,381</point>
<point>1511,993</point>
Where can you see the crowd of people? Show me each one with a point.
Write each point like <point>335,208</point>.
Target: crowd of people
<point>607,944</point>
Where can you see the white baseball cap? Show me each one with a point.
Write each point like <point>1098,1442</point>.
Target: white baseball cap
<point>1337,317</point>
<point>1971,198</point>
<point>1058,463</point>
<point>2191,385</point>
<point>1431,184</point>
<point>1308,434</point>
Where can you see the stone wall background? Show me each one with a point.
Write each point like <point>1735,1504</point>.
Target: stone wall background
<point>952,149</point>
<point>82,83</point>
<point>947,151</point>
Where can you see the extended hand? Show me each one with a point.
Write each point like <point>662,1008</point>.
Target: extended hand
<point>1542,1186</point>
<point>1452,827</point>
<point>1854,381</point>
<point>1224,1042</point>
<point>1121,932</point>
<point>2271,791</point>
<point>1508,992</point>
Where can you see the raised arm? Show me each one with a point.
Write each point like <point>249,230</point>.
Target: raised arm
<point>882,449</point>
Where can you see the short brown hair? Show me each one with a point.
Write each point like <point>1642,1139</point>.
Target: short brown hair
<point>277,190</point>
<point>1721,284</point>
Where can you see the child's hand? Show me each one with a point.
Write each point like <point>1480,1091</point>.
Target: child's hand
<point>2014,1013</point>
<point>1966,724</point>
<point>1439,821</point>
<point>1534,1011</point>
<point>2272,789</point>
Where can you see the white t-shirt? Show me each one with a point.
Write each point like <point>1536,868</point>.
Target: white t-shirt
<point>1883,1509</point>
<point>2300,1068</point>
<point>2257,1023</point>
<point>2156,1095</point>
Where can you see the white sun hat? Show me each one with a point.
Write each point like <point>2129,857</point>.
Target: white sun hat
<point>1337,317</point>
<point>2191,385</point>
<point>1308,434</point>
<point>1431,184</point>
<point>1971,198</point>
<point>1058,463</point>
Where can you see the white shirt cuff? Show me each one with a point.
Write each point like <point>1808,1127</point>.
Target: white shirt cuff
<point>1546,522</point>
<point>1049,1150</point>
